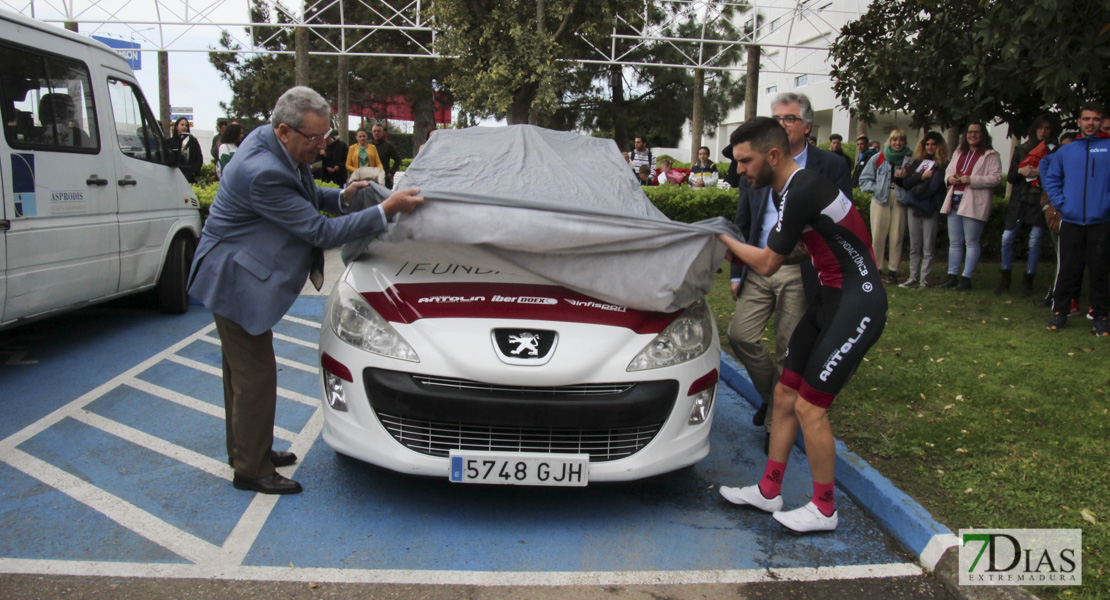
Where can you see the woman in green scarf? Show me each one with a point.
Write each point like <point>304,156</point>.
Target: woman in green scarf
<point>882,178</point>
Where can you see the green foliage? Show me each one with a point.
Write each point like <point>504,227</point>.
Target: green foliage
<point>689,205</point>
<point>207,174</point>
<point>945,62</point>
<point>508,55</point>
<point>206,194</point>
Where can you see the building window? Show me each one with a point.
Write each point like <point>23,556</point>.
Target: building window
<point>801,80</point>
<point>772,89</point>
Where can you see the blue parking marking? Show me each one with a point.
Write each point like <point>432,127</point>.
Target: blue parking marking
<point>39,522</point>
<point>128,466</point>
<point>148,480</point>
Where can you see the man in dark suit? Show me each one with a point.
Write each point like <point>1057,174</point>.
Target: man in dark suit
<point>263,236</point>
<point>784,293</point>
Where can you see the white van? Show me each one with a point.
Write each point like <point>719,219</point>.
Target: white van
<point>93,208</point>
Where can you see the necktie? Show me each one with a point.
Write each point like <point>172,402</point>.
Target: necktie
<point>316,273</point>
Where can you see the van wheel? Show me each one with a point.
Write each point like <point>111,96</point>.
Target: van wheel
<point>173,297</point>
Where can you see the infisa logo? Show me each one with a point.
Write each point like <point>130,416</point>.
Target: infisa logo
<point>1021,557</point>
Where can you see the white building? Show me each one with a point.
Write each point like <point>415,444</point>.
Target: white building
<point>795,36</point>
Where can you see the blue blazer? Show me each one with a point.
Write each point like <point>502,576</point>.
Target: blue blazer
<point>255,251</point>
<point>753,201</point>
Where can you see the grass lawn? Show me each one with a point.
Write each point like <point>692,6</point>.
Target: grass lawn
<point>988,420</point>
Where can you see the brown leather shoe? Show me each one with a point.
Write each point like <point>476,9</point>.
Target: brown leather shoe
<point>276,483</point>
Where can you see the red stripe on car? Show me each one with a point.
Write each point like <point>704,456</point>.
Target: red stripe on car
<point>409,302</point>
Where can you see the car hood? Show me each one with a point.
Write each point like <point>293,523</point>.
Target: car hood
<point>409,282</point>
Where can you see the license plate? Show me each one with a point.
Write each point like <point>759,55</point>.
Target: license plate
<point>520,468</point>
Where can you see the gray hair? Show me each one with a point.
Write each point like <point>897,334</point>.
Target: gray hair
<point>295,102</point>
<point>789,98</point>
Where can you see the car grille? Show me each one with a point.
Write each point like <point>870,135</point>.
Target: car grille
<point>436,438</point>
<point>587,389</point>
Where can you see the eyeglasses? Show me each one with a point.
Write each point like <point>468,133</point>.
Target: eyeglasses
<point>312,139</point>
<point>788,119</point>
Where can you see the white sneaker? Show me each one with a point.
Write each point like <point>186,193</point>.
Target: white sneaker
<point>751,496</point>
<point>805,519</point>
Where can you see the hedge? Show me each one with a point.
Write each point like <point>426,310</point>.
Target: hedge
<point>689,205</point>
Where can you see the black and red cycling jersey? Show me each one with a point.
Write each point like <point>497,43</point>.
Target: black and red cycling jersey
<point>849,314</point>
<point>814,210</point>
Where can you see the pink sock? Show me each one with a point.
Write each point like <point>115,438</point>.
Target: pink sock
<point>823,498</point>
<point>771,484</point>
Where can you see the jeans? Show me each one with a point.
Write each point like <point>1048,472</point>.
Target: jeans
<point>963,234</point>
<point>1036,234</point>
<point>923,239</point>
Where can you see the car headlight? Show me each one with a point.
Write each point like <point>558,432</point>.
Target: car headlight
<point>687,338</point>
<point>355,322</point>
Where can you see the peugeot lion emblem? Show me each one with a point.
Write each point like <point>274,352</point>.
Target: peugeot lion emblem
<point>524,346</point>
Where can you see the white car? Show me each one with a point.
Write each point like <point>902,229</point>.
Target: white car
<point>477,374</point>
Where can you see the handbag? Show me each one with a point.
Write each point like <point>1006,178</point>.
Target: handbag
<point>1051,215</point>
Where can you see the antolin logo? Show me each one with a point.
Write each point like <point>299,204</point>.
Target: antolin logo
<point>1021,557</point>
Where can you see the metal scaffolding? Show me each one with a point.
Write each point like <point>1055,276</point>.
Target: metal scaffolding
<point>199,25</point>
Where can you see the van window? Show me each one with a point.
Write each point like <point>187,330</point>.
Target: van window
<point>47,102</point>
<point>136,129</point>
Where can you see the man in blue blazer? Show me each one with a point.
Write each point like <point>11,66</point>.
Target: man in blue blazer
<point>784,293</point>
<point>263,235</point>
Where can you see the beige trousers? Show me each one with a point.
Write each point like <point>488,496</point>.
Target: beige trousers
<point>780,296</point>
<point>888,223</point>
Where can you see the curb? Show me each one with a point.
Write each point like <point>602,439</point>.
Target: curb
<point>934,545</point>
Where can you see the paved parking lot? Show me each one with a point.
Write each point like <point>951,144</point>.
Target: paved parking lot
<point>112,462</point>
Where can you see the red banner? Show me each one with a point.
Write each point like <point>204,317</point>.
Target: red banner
<point>398,108</point>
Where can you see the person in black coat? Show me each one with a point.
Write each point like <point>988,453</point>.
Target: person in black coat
<point>925,192</point>
<point>186,148</point>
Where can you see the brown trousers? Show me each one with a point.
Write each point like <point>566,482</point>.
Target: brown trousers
<point>250,397</point>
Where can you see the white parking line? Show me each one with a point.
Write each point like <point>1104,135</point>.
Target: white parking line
<point>157,444</point>
<point>281,361</point>
<point>281,392</point>
<point>483,578</point>
<point>115,508</point>
<point>198,405</point>
<point>301,321</point>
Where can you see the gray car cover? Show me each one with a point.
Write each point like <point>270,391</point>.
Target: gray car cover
<point>562,206</point>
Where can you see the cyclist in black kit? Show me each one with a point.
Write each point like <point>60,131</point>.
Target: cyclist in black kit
<point>830,341</point>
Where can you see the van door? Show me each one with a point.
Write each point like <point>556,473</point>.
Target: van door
<point>4,224</point>
<point>59,188</point>
<point>151,194</point>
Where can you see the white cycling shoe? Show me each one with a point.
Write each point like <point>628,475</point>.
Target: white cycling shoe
<point>806,519</point>
<point>751,496</point>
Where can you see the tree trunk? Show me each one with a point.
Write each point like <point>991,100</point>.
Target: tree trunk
<point>620,108</point>
<point>751,89</point>
<point>697,119</point>
<point>343,97</point>
<point>520,113</point>
<point>424,118</point>
<point>300,40</point>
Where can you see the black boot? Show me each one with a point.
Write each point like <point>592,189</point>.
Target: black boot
<point>760,415</point>
<point>1004,283</point>
<point>950,282</point>
<point>963,285</point>
<point>1026,285</point>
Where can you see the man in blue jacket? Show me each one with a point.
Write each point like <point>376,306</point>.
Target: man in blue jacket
<point>1077,181</point>
<point>263,236</point>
